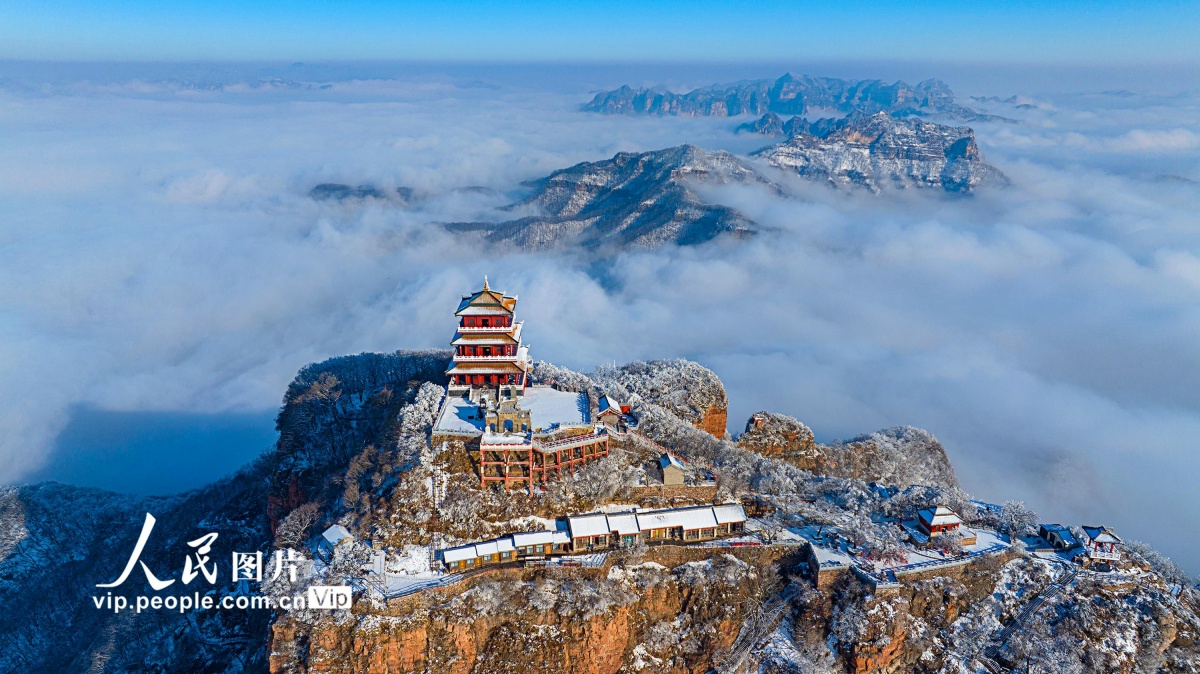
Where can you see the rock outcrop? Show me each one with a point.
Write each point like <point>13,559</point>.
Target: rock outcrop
<point>781,436</point>
<point>790,95</point>
<point>901,456</point>
<point>880,152</point>
<point>632,200</point>
<point>769,124</point>
<point>689,390</point>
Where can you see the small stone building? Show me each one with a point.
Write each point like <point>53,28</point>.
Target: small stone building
<point>609,412</point>
<point>671,469</point>
<point>507,416</point>
<point>1058,536</point>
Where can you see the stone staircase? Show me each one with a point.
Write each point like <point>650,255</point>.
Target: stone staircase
<point>1052,590</point>
<point>758,626</point>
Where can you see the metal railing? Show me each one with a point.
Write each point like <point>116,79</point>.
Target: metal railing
<point>573,441</point>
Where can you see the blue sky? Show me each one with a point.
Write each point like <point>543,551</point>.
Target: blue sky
<point>984,32</point>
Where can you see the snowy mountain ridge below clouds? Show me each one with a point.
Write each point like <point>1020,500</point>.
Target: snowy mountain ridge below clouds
<point>879,151</point>
<point>631,200</point>
<point>650,199</point>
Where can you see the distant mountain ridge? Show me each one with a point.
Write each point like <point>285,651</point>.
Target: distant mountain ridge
<point>631,200</point>
<point>879,151</point>
<point>649,199</point>
<point>790,95</point>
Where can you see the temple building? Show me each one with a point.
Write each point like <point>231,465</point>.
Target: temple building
<point>488,354</point>
<point>522,434</point>
<point>939,522</point>
<point>1102,543</point>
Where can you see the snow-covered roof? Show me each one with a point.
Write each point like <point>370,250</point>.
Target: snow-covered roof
<point>583,526</point>
<point>548,406</point>
<point>623,523</point>
<point>939,515</point>
<point>533,538</point>
<point>607,404</point>
<point>481,311</point>
<point>460,415</point>
<point>686,518</point>
<point>1102,535</point>
<point>1061,533</point>
<point>669,460</point>
<point>729,513</point>
<point>490,438</point>
<point>336,533</point>
<point>486,299</point>
<point>689,519</point>
<point>451,555</point>
<point>604,524</point>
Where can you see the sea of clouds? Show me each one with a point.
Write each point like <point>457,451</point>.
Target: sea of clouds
<point>159,253</point>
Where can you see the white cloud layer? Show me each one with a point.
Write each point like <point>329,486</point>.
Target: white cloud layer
<point>158,252</point>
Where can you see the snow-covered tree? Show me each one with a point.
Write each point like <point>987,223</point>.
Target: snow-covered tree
<point>1015,519</point>
<point>297,526</point>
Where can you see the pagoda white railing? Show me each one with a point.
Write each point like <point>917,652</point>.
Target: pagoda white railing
<point>474,358</point>
<point>569,443</point>
<point>464,329</point>
<point>1099,554</point>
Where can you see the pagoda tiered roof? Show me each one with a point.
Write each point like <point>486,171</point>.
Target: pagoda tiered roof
<point>487,302</point>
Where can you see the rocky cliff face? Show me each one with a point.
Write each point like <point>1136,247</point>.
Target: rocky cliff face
<point>639,616</point>
<point>790,94</point>
<point>901,456</point>
<point>879,152</point>
<point>634,199</point>
<point>778,435</point>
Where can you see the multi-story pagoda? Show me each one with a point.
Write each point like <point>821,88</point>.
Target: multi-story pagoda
<point>489,359</point>
<point>524,434</point>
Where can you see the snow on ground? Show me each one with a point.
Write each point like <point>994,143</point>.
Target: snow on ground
<point>413,560</point>
<point>460,415</point>
<point>827,544</point>
<point>615,508</point>
<point>490,438</point>
<point>533,523</point>
<point>831,549</point>
<point>733,542</point>
<point>548,406</point>
<point>643,660</point>
<point>1059,556</point>
<point>616,572</point>
<point>394,585</point>
<point>986,540</point>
